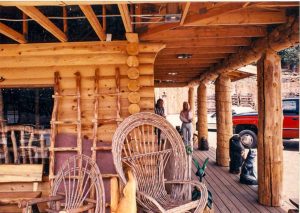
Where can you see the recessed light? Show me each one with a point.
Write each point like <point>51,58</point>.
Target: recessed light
<point>172,73</point>
<point>184,56</point>
<point>172,18</point>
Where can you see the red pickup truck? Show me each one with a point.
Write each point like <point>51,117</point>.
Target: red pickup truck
<point>246,124</point>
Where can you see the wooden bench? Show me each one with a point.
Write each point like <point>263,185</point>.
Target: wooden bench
<point>21,173</point>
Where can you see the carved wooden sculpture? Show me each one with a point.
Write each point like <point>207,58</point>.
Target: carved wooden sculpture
<point>128,201</point>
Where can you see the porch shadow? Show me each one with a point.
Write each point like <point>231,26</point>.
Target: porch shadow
<point>229,195</point>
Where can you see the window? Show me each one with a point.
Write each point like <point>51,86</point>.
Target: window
<point>25,126</point>
<point>290,107</point>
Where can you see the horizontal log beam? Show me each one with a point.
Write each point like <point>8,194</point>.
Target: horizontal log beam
<point>11,33</point>
<point>74,48</point>
<point>71,60</point>
<point>281,37</point>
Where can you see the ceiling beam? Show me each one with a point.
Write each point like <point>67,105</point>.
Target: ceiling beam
<point>184,13</point>
<point>123,8</point>
<point>209,42</point>
<point>91,16</point>
<point>281,37</point>
<point>165,84</point>
<point>210,32</point>
<point>11,33</point>
<point>215,11</point>
<point>248,16</point>
<point>197,50</point>
<point>41,19</point>
<point>186,61</point>
<point>196,56</point>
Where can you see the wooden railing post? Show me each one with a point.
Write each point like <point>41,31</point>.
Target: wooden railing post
<point>270,118</point>
<point>224,119</point>
<point>202,115</point>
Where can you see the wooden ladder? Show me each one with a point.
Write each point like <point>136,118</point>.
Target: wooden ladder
<point>55,121</point>
<point>96,121</point>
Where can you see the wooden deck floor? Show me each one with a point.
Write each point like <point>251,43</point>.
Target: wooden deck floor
<point>228,194</point>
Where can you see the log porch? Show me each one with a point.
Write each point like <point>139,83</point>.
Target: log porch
<point>229,195</point>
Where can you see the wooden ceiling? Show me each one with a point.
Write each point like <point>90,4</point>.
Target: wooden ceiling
<point>203,34</point>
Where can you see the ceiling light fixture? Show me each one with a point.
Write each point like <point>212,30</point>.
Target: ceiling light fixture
<point>172,73</point>
<point>184,56</point>
<point>170,18</point>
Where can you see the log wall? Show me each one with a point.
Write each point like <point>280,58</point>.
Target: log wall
<point>34,65</point>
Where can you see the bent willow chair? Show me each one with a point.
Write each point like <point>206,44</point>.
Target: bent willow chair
<point>160,167</point>
<point>78,187</point>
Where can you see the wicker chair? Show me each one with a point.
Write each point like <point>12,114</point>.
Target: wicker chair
<point>78,187</point>
<point>160,168</point>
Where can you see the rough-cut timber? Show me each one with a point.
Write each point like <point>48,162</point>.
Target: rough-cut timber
<point>192,103</point>
<point>224,119</point>
<point>270,156</point>
<point>282,37</point>
<point>202,113</point>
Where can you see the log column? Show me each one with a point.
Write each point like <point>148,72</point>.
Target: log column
<point>270,167</point>
<point>202,117</point>
<point>192,105</point>
<point>224,119</point>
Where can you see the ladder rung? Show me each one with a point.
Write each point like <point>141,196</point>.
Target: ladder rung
<point>65,122</point>
<point>63,149</point>
<point>104,148</point>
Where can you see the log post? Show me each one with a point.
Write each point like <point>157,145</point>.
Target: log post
<point>1,107</point>
<point>192,104</point>
<point>202,117</point>
<point>224,119</point>
<point>270,118</point>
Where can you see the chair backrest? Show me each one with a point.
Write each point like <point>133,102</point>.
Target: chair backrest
<point>136,144</point>
<point>79,180</point>
<point>22,144</point>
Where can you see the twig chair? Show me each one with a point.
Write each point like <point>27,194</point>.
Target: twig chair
<point>78,187</point>
<point>160,168</point>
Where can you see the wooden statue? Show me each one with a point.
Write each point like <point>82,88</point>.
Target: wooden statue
<point>128,201</point>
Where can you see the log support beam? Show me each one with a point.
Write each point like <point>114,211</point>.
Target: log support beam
<point>202,117</point>
<point>191,101</point>
<point>224,119</point>
<point>280,38</point>
<point>270,119</point>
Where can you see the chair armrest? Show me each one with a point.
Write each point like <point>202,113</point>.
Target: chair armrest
<point>25,203</point>
<point>152,200</point>
<point>200,186</point>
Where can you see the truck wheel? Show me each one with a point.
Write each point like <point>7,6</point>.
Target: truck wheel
<point>248,138</point>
